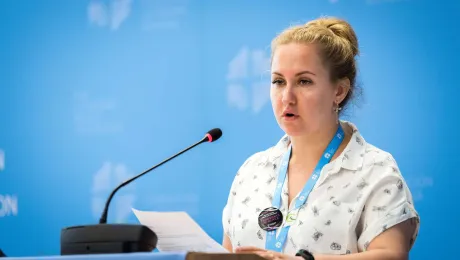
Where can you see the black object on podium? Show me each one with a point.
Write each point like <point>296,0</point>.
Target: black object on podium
<point>2,254</point>
<point>106,238</point>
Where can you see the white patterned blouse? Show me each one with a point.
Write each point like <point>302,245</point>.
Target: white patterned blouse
<point>357,196</point>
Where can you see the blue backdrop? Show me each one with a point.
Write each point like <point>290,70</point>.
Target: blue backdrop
<point>92,92</point>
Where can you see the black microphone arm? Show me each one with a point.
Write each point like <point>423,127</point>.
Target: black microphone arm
<point>106,238</point>
<point>211,136</point>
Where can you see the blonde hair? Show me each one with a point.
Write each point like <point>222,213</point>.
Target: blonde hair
<point>337,42</point>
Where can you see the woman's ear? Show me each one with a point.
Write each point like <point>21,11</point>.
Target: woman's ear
<point>342,89</point>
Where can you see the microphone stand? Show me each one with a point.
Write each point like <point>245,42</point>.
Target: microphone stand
<point>106,238</point>
<point>103,218</point>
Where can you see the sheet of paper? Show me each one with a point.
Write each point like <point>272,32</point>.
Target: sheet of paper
<point>178,232</point>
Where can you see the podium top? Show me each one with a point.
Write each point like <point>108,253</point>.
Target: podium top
<point>147,256</point>
<point>132,256</point>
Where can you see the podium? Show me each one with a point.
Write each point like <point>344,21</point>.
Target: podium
<point>148,256</point>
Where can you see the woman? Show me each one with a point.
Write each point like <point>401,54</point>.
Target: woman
<point>322,192</point>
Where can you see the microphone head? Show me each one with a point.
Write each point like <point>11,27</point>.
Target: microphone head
<point>213,134</point>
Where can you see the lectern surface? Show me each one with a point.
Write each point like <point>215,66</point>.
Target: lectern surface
<point>149,256</point>
<point>130,256</point>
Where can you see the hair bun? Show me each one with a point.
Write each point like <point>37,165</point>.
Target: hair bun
<point>342,29</point>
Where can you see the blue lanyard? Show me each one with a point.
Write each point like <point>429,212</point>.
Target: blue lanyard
<point>276,243</point>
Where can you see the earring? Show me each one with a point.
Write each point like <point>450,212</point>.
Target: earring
<point>337,108</point>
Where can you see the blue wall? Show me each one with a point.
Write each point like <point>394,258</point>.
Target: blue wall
<point>92,92</point>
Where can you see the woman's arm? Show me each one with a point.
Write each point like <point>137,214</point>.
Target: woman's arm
<point>392,244</point>
<point>227,244</point>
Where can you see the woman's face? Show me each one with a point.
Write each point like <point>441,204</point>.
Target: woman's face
<point>302,94</point>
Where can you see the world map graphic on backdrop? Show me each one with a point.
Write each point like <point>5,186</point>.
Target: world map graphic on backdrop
<point>110,15</point>
<point>104,181</point>
<point>154,15</point>
<point>9,206</point>
<point>2,160</point>
<point>247,87</point>
<point>418,185</point>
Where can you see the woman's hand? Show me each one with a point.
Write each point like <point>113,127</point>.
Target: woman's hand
<point>267,254</point>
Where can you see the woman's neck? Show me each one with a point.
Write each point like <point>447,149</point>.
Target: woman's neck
<point>308,149</point>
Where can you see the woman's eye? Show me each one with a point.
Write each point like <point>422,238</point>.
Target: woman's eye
<point>277,82</point>
<point>305,82</point>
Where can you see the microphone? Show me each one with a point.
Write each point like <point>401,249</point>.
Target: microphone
<point>106,238</point>
<point>211,136</point>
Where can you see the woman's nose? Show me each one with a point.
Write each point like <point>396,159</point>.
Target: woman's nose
<point>288,96</point>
